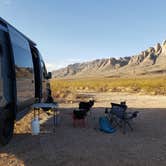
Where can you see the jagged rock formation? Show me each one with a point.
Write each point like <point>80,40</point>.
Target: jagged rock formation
<point>152,60</point>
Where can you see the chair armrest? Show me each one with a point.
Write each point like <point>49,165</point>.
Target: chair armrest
<point>131,115</point>
<point>108,110</point>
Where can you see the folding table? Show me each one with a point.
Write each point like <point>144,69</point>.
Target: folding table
<point>53,106</point>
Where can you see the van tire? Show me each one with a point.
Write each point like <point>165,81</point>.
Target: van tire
<point>6,126</point>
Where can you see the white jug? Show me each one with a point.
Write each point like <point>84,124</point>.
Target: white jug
<point>35,126</point>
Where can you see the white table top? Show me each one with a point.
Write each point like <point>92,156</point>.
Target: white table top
<point>45,105</point>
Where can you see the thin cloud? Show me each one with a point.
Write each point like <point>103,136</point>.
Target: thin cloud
<point>61,64</point>
<point>73,60</point>
<point>50,67</point>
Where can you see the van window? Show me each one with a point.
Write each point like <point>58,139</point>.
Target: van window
<point>23,66</point>
<point>44,71</point>
<point>21,49</point>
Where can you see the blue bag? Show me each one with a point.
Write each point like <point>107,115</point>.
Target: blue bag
<point>105,125</point>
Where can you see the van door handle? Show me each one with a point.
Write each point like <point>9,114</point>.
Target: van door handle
<point>32,81</point>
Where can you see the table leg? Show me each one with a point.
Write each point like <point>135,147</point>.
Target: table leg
<point>54,121</point>
<point>56,117</point>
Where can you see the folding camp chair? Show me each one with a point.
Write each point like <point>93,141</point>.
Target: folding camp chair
<point>79,116</point>
<point>119,116</point>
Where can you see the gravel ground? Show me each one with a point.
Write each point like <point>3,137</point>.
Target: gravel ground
<point>88,146</point>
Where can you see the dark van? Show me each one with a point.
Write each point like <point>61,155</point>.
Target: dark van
<point>23,77</point>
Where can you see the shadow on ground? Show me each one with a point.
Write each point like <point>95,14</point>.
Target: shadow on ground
<point>70,146</point>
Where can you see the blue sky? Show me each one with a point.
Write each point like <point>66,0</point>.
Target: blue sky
<point>69,31</point>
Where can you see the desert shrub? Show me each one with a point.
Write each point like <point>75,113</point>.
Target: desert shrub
<point>154,85</point>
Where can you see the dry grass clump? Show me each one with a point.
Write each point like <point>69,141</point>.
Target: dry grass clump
<point>63,88</point>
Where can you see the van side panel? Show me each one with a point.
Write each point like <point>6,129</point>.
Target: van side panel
<point>1,78</point>
<point>6,85</point>
<point>23,69</point>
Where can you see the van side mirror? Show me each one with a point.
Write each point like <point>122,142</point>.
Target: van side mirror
<point>49,75</point>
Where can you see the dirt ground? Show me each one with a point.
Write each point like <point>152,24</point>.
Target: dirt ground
<point>68,146</point>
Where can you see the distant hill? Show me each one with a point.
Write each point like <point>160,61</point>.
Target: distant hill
<point>149,62</point>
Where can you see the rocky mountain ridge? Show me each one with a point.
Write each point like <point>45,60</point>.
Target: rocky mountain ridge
<point>150,61</point>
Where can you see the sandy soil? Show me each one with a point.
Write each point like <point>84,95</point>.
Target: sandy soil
<point>88,146</point>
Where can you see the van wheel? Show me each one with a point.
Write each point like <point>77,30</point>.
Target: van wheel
<point>6,126</point>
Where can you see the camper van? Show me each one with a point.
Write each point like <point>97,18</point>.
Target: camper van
<point>23,77</point>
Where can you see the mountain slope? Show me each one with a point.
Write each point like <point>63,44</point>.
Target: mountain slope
<point>150,61</point>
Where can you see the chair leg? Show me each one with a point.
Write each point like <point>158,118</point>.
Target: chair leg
<point>74,120</point>
<point>113,121</point>
<point>74,123</point>
<point>124,127</point>
<point>129,125</point>
<point>83,122</point>
<point>79,122</point>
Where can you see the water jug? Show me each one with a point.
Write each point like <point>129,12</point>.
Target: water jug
<point>35,126</point>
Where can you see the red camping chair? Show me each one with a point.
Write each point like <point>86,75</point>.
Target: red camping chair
<point>79,116</point>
